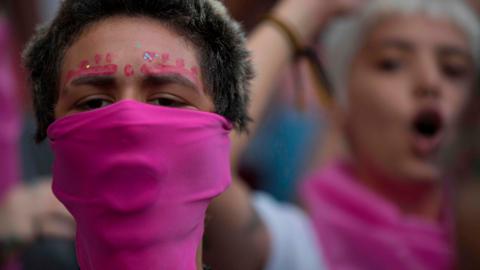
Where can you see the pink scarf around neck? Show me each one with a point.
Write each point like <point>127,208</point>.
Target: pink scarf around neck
<point>359,230</point>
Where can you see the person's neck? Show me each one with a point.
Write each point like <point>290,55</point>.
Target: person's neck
<point>421,199</point>
<point>200,256</point>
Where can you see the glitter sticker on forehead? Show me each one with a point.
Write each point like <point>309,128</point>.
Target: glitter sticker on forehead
<point>148,56</point>
<point>86,69</point>
<point>157,63</point>
<point>129,70</point>
<point>109,58</point>
<point>98,58</point>
<point>163,66</point>
<point>85,64</point>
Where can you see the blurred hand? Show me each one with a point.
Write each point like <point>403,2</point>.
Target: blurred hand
<point>342,7</point>
<point>16,216</point>
<point>29,212</point>
<point>52,218</point>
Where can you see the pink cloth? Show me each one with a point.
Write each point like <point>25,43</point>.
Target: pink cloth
<point>359,230</point>
<point>9,121</point>
<point>138,179</point>
<point>9,114</point>
<point>13,264</point>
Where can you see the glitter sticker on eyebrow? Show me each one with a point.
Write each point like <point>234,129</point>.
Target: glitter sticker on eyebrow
<point>85,69</point>
<point>96,70</point>
<point>163,66</point>
<point>85,64</point>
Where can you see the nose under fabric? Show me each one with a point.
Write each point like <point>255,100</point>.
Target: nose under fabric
<point>138,179</point>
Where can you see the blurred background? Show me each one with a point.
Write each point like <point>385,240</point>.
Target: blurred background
<point>289,142</point>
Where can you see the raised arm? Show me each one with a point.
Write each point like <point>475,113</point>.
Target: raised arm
<point>235,236</point>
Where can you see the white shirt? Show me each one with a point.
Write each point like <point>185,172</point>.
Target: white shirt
<point>294,242</point>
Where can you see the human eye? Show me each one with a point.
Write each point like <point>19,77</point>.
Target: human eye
<point>455,64</point>
<point>169,101</point>
<point>389,64</point>
<point>455,70</point>
<point>389,59</point>
<point>92,103</point>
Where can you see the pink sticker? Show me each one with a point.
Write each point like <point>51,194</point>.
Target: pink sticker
<point>86,69</point>
<point>151,68</point>
<point>158,69</point>
<point>145,69</point>
<point>165,58</point>
<point>163,67</point>
<point>85,64</point>
<point>180,63</point>
<point>194,71</point>
<point>149,56</point>
<point>98,58</point>
<point>109,58</point>
<point>91,71</point>
<point>129,70</point>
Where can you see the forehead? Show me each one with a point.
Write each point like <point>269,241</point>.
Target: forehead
<point>125,37</point>
<point>419,29</point>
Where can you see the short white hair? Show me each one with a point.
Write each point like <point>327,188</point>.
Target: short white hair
<point>346,36</point>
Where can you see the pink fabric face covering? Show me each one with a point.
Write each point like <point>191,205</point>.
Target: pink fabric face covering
<point>358,230</point>
<point>138,179</point>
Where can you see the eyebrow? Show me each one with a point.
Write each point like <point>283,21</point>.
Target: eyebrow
<point>397,43</point>
<point>455,51</point>
<point>167,78</point>
<point>442,49</point>
<point>95,80</point>
<point>98,80</point>
<point>150,79</point>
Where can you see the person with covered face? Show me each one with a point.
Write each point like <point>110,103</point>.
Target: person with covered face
<point>137,99</point>
<point>401,71</point>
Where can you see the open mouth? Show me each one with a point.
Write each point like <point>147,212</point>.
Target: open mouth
<point>428,123</point>
<point>428,129</point>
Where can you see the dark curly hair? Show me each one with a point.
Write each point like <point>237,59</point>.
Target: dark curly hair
<point>219,43</point>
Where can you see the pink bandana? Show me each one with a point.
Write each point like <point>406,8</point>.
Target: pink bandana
<point>359,230</point>
<point>138,179</point>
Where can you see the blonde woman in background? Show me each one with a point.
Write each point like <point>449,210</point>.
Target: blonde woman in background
<point>402,72</point>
